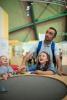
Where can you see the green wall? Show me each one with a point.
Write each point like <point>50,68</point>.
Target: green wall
<point>44,11</point>
<point>16,12</point>
<point>23,35</point>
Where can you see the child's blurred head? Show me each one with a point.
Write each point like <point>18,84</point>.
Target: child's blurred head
<point>4,60</point>
<point>43,58</point>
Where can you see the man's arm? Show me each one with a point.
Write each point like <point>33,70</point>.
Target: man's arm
<point>59,64</point>
<point>58,60</point>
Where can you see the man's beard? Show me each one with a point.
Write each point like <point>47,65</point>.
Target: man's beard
<point>47,40</point>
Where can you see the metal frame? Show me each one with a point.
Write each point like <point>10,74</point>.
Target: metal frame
<point>58,2</point>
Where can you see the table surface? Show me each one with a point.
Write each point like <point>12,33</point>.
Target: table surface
<point>58,77</point>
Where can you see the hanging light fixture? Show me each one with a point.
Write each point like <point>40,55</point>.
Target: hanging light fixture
<point>28,10</point>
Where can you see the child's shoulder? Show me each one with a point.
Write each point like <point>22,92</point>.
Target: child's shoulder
<point>2,66</point>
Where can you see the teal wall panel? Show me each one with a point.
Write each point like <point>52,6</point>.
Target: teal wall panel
<point>23,35</point>
<point>43,11</point>
<point>16,12</point>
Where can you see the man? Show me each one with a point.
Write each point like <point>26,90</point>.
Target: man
<point>46,46</point>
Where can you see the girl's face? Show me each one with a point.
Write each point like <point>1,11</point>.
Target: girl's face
<point>42,58</point>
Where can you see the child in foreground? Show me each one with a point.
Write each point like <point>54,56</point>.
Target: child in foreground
<point>5,70</point>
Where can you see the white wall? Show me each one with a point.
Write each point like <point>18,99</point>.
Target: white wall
<point>3,33</point>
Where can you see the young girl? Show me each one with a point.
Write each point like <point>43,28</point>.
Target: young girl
<point>43,65</point>
<point>5,70</point>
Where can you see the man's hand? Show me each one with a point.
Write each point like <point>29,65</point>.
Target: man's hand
<point>59,72</point>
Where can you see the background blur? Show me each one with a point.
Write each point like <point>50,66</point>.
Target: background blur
<point>26,21</point>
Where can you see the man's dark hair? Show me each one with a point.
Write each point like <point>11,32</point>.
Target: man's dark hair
<point>54,30</point>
